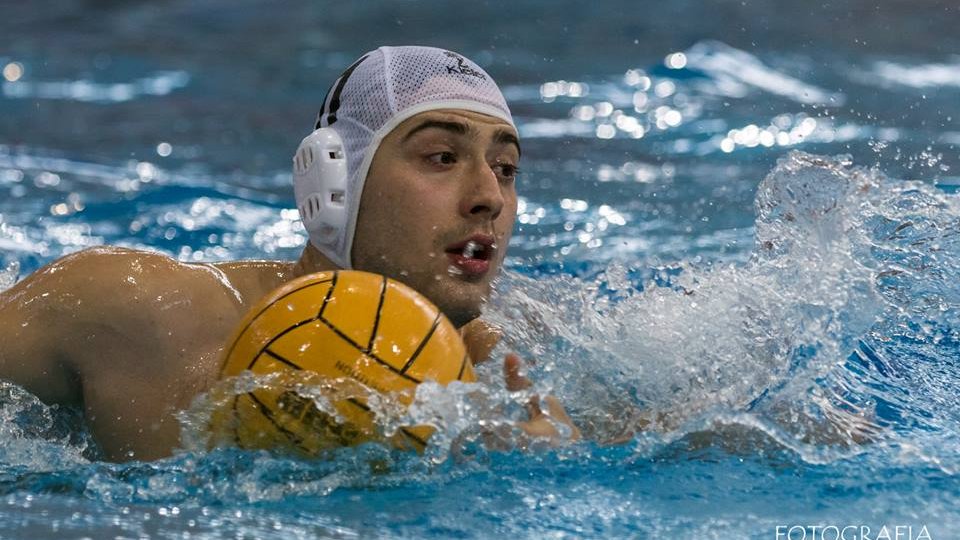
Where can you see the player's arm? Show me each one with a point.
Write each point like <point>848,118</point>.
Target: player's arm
<point>119,331</point>
<point>73,318</point>
<point>33,316</point>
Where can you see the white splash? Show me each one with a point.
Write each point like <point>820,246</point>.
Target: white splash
<point>763,344</point>
<point>9,275</point>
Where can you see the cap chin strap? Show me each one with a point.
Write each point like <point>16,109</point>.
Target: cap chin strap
<point>320,189</point>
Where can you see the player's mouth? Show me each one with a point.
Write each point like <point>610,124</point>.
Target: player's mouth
<point>472,256</point>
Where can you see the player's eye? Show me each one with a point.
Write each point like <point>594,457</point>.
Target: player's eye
<point>442,158</point>
<point>506,171</point>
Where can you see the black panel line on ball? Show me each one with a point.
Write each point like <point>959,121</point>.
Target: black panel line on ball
<point>376,318</point>
<point>463,365</point>
<point>413,436</point>
<point>247,327</point>
<point>282,359</point>
<point>358,403</point>
<point>278,336</point>
<point>269,416</point>
<point>326,299</point>
<point>376,358</point>
<point>423,343</point>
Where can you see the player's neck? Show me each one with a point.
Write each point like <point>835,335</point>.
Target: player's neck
<point>312,261</point>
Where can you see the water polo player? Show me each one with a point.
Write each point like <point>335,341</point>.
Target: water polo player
<point>420,188</point>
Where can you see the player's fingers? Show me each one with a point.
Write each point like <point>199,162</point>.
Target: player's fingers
<point>557,411</point>
<point>533,407</point>
<point>511,372</point>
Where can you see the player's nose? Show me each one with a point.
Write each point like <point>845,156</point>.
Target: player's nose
<point>483,194</point>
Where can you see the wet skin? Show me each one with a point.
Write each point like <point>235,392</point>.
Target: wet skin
<point>133,337</point>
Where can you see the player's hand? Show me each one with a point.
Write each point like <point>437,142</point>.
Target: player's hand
<point>480,337</point>
<point>550,422</point>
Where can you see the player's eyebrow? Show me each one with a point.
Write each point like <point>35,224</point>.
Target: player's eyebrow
<point>460,128</point>
<point>457,128</point>
<point>505,137</point>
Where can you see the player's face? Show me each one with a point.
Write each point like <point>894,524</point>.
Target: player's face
<point>438,207</point>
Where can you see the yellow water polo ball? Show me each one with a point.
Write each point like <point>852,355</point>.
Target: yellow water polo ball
<point>334,330</point>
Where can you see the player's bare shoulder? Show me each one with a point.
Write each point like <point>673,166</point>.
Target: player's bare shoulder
<point>97,305</point>
<point>254,278</point>
<point>70,286</point>
<point>129,293</point>
<point>105,280</point>
<point>110,310</point>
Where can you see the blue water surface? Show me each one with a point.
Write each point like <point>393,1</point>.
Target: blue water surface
<point>738,220</point>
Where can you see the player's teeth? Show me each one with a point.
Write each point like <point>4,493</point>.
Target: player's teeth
<point>471,248</point>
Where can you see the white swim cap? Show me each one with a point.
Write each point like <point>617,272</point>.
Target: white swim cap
<point>372,97</point>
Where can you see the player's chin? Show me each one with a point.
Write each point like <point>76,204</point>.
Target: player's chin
<point>462,302</point>
<point>461,314</point>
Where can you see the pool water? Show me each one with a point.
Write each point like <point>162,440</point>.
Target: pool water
<point>738,220</point>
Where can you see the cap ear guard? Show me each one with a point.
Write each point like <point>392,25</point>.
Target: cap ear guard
<point>320,186</point>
